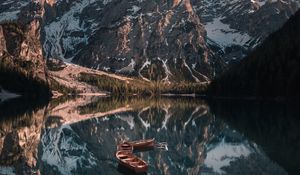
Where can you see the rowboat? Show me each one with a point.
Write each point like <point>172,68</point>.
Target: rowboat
<point>125,147</point>
<point>131,162</point>
<point>142,144</point>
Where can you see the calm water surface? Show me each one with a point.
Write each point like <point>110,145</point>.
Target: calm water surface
<point>79,136</point>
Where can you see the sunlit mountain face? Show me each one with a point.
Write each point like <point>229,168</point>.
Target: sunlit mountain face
<point>198,140</point>
<point>135,37</point>
<point>168,40</point>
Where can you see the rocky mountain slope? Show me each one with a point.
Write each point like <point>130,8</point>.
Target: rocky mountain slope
<point>155,40</point>
<point>272,70</point>
<point>237,26</point>
<point>167,40</point>
<point>141,37</point>
<point>22,65</point>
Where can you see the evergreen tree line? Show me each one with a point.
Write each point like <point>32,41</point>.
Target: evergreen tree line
<point>140,87</point>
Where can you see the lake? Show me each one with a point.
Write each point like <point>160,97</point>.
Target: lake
<point>78,135</point>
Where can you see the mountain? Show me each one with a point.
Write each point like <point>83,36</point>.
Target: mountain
<point>135,37</point>
<point>154,40</point>
<point>272,70</point>
<point>172,41</point>
<point>22,65</point>
<point>178,40</point>
<point>238,26</point>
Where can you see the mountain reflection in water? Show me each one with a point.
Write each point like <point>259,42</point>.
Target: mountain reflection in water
<point>79,136</point>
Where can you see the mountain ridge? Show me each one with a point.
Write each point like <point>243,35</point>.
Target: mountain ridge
<point>162,43</point>
<point>73,41</point>
<point>272,70</point>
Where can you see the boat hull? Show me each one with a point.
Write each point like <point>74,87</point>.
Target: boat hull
<point>136,170</point>
<point>143,145</point>
<point>125,147</point>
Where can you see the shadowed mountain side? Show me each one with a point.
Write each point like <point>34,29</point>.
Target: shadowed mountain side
<point>22,68</point>
<point>272,70</point>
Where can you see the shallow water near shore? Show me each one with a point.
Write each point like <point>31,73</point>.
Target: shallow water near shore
<point>79,135</point>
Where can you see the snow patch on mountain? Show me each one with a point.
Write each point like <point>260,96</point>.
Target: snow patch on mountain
<point>221,17</point>
<point>134,9</point>
<point>223,35</point>
<point>167,70</point>
<point>259,2</point>
<point>189,69</point>
<point>7,16</point>
<point>145,65</point>
<point>10,9</point>
<point>129,68</point>
<point>57,39</point>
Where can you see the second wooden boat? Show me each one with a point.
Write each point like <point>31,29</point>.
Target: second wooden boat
<point>125,147</point>
<point>143,144</point>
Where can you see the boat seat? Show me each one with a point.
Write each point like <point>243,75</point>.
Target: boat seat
<point>125,145</point>
<point>137,164</point>
<point>128,159</point>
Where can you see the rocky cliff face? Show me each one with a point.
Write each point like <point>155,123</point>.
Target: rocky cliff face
<point>169,40</point>
<point>153,40</point>
<point>2,43</point>
<point>21,43</point>
<point>21,52</point>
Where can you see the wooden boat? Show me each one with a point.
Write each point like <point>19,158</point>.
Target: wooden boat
<point>131,162</point>
<point>125,147</point>
<point>143,144</point>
